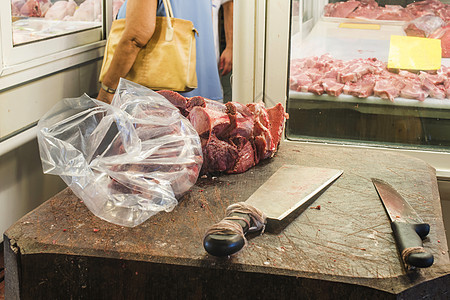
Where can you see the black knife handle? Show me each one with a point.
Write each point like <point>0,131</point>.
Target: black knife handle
<point>409,236</point>
<point>219,244</point>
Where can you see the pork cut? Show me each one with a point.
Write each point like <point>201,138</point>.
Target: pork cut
<point>89,10</point>
<point>234,137</point>
<point>362,88</point>
<point>342,9</point>
<point>369,9</point>
<point>423,26</point>
<point>32,8</point>
<point>61,9</point>
<point>365,77</point>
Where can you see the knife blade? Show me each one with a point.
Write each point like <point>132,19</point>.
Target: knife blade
<point>286,191</point>
<point>408,227</point>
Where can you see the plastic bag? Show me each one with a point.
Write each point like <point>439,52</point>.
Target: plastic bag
<point>127,161</point>
<point>423,26</point>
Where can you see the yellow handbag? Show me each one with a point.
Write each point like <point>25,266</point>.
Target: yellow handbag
<point>167,62</point>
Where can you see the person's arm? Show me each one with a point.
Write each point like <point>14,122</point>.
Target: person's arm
<point>226,58</point>
<point>139,28</point>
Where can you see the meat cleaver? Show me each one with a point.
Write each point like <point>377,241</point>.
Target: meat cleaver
<point>408,227</point>
<point>286,191</point>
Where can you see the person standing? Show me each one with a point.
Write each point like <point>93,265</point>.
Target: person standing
<point>140,18</point>
<point>225,59</point>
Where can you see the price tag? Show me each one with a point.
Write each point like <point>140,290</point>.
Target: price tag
<point>360,26</point>
<point>414,53</point>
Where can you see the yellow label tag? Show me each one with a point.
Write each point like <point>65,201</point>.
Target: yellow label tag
<point>414,53</point>
<point>360,26</point>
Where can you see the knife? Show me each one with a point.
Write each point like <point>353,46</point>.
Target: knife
<point>288,190</point>
<point>408,227</point>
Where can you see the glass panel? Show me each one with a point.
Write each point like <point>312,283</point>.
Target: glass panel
<point>35,20</point>
<point>340,89</point>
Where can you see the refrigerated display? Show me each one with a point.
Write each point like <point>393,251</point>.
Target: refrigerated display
<point>340,89</point>
<point>287,31</point>
<point>42,19</point>
<point>47,42</point>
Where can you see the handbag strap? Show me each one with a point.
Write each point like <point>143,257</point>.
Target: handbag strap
<point>169,8</point>
<point>169,14</point>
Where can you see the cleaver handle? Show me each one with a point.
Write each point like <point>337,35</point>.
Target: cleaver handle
<point>409,236</point>
<point>222,244</point>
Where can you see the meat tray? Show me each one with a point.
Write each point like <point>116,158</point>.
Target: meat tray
<point>347,44</point>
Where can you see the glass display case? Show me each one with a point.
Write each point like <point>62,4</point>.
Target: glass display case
<point>44,19</point>
<point>341,89</point>
<point>47,43</point>
<point>327,63</point>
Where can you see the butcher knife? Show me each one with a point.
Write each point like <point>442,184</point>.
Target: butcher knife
<point>286,191</point>
<point>408,227</point>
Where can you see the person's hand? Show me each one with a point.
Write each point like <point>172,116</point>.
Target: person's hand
<point>104,96</point>
<point>226,61</point>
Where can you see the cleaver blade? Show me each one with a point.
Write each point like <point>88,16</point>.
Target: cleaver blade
<point>289,189</point>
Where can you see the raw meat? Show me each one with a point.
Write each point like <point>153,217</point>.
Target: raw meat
<point>362,88</point>
<point>332,87</point>
<point>363,78</point>
<point>341,9</point>
<point>89,10</point>
<point>388,88</point>
<point>395,13</point>
<point>447,87</point>
<point>432,89</point>
<point>413,86</point>
<point>234,137</point>
<point>423,26</point>
<point>413,90</point>
<point>365,13</point>
<point>61,9</point>
<point>369,9</point>
<point>18,4</point>
<point>354,70</point>
<point>31,8</point>
<point>177,100</point>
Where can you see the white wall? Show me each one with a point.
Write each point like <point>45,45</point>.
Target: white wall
<point>23,186</point>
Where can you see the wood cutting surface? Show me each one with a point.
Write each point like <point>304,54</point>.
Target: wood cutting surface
<point>343,236</point>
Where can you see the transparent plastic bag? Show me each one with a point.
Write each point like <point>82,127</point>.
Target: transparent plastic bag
<point>423,26</point>
<point>127,161</point>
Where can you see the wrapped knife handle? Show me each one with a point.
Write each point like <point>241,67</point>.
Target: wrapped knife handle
<point>409,242</point>
<point>227,243</point>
